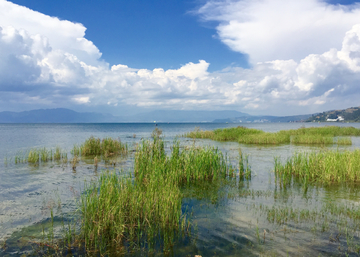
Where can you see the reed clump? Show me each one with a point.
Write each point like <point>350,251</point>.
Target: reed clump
<point>244,167</point>
<point>106,147</point>
<point>344,141</point>
<point>333,131</point>
<point>191,164</point>
<point>119,213</point>
<point>265,139</point>
<point>312,139</point>
<point>43,155</point>
<point>34,156</point>
<point>314,135</point>
<point>323,167</point>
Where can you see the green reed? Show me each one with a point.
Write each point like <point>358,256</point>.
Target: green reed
<point>324,131</point>
<point>124,213</point>
<point>226,134</point>
<point>323,167</point>
<point>244,167</point>
<point>312,139</point>
<point>34,156</point>
<point>265,139</point>
<point>313,135</point>
<point>344,141</point>
<point>106,147</point>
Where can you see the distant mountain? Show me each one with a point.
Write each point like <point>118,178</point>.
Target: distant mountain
<point>183,116</point>
<point>62,115</point>
<point>59,115</point>
<point>351,114</point>
<point>247,119</point>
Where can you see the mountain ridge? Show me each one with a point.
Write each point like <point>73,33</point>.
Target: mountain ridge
<point>351,114</point>
<point>63,115</point>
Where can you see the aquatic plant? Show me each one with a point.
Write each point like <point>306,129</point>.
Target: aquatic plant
<point>156,133</point>
<point>265,139</point>
<point>76,150</point>
<point>117,211</point>
<point>312,135</point>
<point>312,139</point>
<point>344,141</point>
<point>106,147</point>
<point>244,167</point>
<point>34,156</point>
<point>323,167</point>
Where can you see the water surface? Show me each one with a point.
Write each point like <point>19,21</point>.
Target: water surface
<point>228,226</point>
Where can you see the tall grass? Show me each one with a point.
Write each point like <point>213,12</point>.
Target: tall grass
<point>106,147</point>
<point>118,213</point>
<point>43,155</point>
<point>244,167</point>
<point>323,167</point>
<point>324,131</point>
<point>265,139</point>
<point>313,135</point>
<point>312,139</point>
<point>227,134</point>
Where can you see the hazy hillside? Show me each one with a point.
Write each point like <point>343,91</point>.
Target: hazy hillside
<point>62,115</point>
<point>59,115</point>
<point>295,118</point>
<point>351,114</point>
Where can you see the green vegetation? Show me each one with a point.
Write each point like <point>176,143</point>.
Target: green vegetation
<point>350,115</point>
<point>106,147</point>
<point>265,139</point>
<point>312,139</point>
<point>42,155</point>
<point>120,214</point>
<point>313,135</point>
<point>322,167</point>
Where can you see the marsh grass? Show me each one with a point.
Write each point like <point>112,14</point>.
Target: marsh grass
<point>106,147</point>
<point>121,214</point>
<point>34,156</point>
<point>344,141</point>
<point>20,157</point>
<point>59,154</point>
<point>313,135</point>
<point>42,155</point>
<point>333,131</point>
<point>323,167</point>
<point>244,167</point>
<point>265,139</point>
<point>312,139</point>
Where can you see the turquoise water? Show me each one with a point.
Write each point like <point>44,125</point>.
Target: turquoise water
<point>230,227</point>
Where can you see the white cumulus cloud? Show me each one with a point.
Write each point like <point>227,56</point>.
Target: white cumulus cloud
<point>269,30</point>
<point>41,68</point>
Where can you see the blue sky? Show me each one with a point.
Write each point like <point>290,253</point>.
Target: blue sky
<point>145,34</point>
<point>259,57</point>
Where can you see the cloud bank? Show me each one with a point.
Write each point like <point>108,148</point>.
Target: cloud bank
<point>46,62</point>
<point>270,30</point>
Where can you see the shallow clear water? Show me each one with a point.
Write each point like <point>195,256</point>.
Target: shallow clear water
<point>228,227</point>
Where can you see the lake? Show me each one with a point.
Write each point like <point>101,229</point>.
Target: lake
<point>237,225</point>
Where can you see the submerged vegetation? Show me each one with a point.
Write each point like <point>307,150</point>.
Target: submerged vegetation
<point>313,135</point>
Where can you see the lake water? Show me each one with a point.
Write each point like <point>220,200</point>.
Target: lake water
<point>236,226</point>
